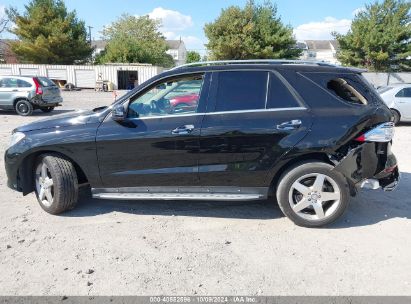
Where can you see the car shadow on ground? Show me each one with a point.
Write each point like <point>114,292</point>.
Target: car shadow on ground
<point>367,208</point>
<point>38,113</point>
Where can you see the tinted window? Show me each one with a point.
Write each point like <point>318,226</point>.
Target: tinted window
<point>177,96</point>
<point>343,89</point>
<point>241,90</point>
<point>279,95</point>
<point>406,92</point>
<point>8,83</point>
<point>23,84</point>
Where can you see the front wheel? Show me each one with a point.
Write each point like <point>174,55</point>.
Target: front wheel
<point>311,194</point>
<point>56,184</point>
<point>47,109</point>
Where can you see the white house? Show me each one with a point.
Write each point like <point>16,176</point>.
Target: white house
<point>319,50</point>
<point>178,51</point>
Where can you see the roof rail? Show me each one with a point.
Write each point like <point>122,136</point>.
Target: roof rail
<point>254,61</point>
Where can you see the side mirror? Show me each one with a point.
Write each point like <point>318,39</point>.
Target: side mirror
<point>119,113</point>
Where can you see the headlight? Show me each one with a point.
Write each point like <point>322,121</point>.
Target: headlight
<point>15,138</point>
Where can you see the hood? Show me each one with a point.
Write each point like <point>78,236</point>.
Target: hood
<point>61,120</point>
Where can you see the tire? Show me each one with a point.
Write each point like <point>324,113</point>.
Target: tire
<point>69,86</point>
<point>397,116</point>
<point>23,107</point>
<point>330,184</point>
<point>56,184</point>
<point>47,109</point>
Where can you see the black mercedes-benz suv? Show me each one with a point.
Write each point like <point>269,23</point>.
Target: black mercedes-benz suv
<point>307,135</point>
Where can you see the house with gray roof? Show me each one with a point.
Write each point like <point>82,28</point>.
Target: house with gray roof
<point>319,50</point>
<point>177,50</point>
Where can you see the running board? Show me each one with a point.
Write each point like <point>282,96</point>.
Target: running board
<point>179,196</point>
<point>204,194</point>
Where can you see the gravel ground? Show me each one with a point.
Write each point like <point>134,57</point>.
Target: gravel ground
<point>186,248</point>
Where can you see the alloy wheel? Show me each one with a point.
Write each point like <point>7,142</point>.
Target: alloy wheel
<point>314,196</point>
<point>44,185</point>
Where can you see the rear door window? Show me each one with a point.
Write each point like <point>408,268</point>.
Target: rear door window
<point>280,95</point>
<point>23,84</point>
<point>241,90</point>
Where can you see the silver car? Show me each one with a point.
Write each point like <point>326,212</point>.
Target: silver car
<point>25,94</point>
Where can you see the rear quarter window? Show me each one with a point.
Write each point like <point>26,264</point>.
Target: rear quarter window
<point>346,91</point>
<point>406,93</point>
<point>349,88</point>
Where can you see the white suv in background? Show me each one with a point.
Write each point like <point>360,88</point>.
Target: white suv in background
<point>398,99</point>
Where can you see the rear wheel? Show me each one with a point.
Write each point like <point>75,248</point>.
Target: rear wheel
<point>47,109</point>
<point>56,184</point>
<point>311,194</point>
<point>397,116</point>
<point>23,107</point>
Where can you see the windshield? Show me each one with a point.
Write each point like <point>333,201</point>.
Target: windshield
<point>383,89</point>
<point>45,82</point>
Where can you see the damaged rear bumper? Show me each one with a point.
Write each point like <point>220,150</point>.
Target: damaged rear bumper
<point>370,165</point>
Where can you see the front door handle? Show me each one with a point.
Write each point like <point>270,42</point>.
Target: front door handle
<point>15,90</point>
<point>289,125</point>
<point>183,130</point>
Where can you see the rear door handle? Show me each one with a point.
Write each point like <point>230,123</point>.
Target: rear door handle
<point>15,90</point>
<point>289,125</point>
<point>183,130</point>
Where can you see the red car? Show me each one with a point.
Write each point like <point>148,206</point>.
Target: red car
<point>184,101</point>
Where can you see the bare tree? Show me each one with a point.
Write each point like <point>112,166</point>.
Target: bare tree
<point>4,22</point>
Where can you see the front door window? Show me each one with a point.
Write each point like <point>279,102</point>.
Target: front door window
<point>174,97</point>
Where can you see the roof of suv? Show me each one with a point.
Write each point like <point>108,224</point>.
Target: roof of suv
<point>300,65</point>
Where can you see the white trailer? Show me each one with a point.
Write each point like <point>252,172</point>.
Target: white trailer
<point>86,76</point>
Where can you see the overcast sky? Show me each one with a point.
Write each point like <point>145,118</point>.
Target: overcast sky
<point>314,19</point>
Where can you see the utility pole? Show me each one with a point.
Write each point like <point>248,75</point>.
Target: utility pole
<point>89,33</point>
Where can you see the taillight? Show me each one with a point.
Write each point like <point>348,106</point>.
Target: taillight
<point>39,89</point>
<point>382,133</point>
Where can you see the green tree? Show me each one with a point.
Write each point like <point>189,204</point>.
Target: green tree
<point>252,32</point>
<point>135,39</point>
<point>193,56</point>
<point>379,38</point>
<point>48,33</point>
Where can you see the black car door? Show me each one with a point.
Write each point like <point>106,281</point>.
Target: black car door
<point>159,144</point>
<point>255,118</point>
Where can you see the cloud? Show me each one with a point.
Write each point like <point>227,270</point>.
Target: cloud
<point>322,29</point>
<point>357,11</point>
<point>171,20</point>
<point>2,11</point>
<point>174,25</point>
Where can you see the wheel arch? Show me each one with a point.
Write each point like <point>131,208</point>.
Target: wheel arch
<point>396,110</point>
<point>20,98</point>
<point>286,165</point>
<point>27,166</point>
